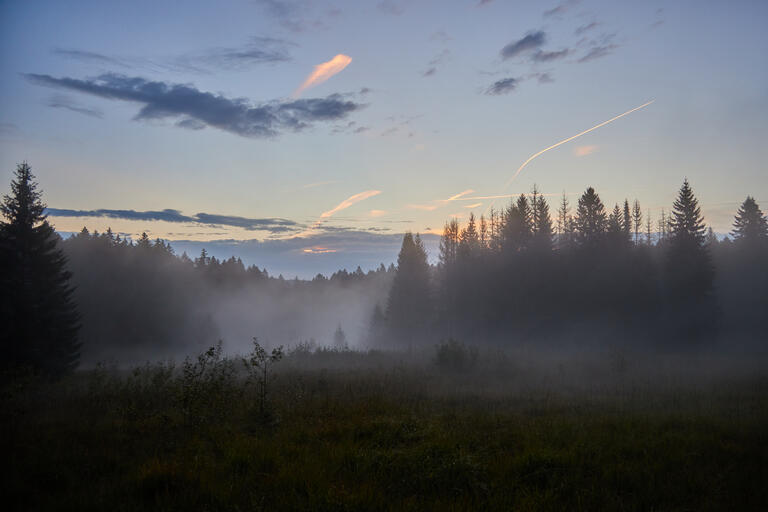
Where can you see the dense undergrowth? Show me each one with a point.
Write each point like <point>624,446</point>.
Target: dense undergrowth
<point>384,431</point>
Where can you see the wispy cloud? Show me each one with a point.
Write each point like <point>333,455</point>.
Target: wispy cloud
<point>323,72</point>
<point>436,62</point>
<point>597,52</point>
<point>529,42</point>
<point>584,150</point>
<point>161,100</point>
<point>272,225</point>
<point>377,213</point>
<point>544,56</point>
<point>437,203</point>
<point>586,28</point>
<point>390,7</point>
<point>503,86</point>
<point>349,202</point>
<point>473,205</point>
<point>561,8</point>
<point>67,103</point>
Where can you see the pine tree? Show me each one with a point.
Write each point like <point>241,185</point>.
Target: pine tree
<point>689,269</point>
<point>409,303</point>
<point>626,223</point>
<point>542,224</point>
<point>637,219</point>
<point>340,339</point>
<point>687,223</point>
<point>750,227</point>
<point>39,319</point>
<point>590,217</point>
<point>469,240</point>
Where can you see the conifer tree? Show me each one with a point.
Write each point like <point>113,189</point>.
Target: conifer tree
<point>409,303</point>
<point>689,269</point>
<point>626,223</point>
<point>637,219</point>
<point>750,227</point>
<point>590,217</point>
<point>38,316</point>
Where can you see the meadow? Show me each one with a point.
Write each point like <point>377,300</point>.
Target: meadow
<point>344,430</point>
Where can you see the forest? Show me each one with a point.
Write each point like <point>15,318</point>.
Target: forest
<point>590,278</point>
<point>582,363</point>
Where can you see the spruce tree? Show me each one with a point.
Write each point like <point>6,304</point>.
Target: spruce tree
<point>590,217</point>
<point>689,269</point>
<point>750,227</point>
<point>409,304</point>
<point>39,319</point>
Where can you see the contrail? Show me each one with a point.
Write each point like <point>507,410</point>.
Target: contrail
<point>553,146</point>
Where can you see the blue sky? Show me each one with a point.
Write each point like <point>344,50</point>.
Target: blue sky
<point>124,108</point>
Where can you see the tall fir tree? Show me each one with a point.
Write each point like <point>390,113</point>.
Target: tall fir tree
<point>39,318</point>
<point>750,227</point>
<point>689,269</point>
<point>409,308</point>
<point>591,219</point>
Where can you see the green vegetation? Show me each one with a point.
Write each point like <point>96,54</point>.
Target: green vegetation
<point>388,431</point>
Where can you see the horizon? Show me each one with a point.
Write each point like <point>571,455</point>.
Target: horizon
<point>312,129</point>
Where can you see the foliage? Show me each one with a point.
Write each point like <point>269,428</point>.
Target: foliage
<point>258,364</point>
<point>453,355</point>
<point>392,438</point>
<point>39,319</point>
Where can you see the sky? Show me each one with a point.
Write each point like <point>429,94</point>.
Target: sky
<point>307,136</point>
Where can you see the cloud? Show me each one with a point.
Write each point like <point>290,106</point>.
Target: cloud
<point>584,150</point>
<point>542,78</point>
<point>542,56</point>
<point>288,13</point>
<point>349,202</point>
<point>390,7</point>
<point>441,36</point>
<point>474,205</point>
<point>161,100</point>
<point>503,86</point>
<point>377,213</point>
<point>67,103</point>
<point>586,28</point>
<point>597,52</point>
<point>531,41</point>
<point>273,225</point>
<point>258,51</point>
<point>86,56</point>
<point>323,72</point>
<point>560,9</point>
<point>437,203</point>
<point>436,62</point>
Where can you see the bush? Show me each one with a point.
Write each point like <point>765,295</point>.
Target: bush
<point>453,355</point>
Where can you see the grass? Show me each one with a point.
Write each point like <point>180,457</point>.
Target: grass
<point>375,432</point>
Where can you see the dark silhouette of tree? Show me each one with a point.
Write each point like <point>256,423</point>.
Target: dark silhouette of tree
<point>409,309</point>
<point>590,218</point>
<point>637,220</point>
<point>626,222</point>
<point>750,226</point>
<point>340,339</point>
<point>517,226</point>
<point>541,223</point>
<point>38,316</point>
<point>689,273</point>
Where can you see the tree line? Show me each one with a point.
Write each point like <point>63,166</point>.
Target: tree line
<point>590,276</point>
